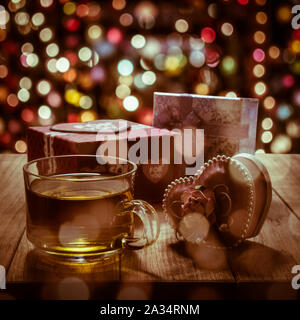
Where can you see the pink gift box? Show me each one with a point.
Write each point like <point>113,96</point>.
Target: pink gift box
<point>85,138</point>
<point>229,123</point>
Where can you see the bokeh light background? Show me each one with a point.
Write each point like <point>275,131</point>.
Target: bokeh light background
<point>67,61</point>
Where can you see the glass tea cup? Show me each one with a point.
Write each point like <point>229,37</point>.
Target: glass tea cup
<point>81,207</point>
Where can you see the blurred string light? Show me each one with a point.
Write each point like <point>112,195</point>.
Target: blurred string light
<point>138,41</point>
<point>259,70</point>
<point>32,60</point>
<point>260,88</point>
<point>243,2</point>
<point>284,14</point>
<point>126,19</point>
<point>259,37</point>
<point>12,100</point>
<point>14,126</point>
<point>258,55</point>
<point>208,35</point>
<point>295,46</point>
<point>70,75</point>
<point>119,4</point>
<point>202,88</point>
<point>86,102</point>
<point>85,54</point>
<point>46,3</point>
<point>196,43</point>
<point>2,126</point>
<point>25,83</point>
<point>44,112</point>
<point>181,25</point>
<point>22,18</point>
<point>72,96</point>
<point>267,124</point>
<point>3,71</point>
<point>4,17</point>
<point>274,52</point>
<point>69,8</point>
<point>266,137</point>
<point>144,64</point>
<point>23,95</point>
<point>212,10</point>
<point>282,143</point>
<point>52,50</point>
<point>94,32</point>
<point>231,94</point>
<point>296,97</point>
<point>151,49</point>
<point>54,99</point>
<point>114,35</point>
<point>138,82</point>
<point>146,13</point>
<point>269,102</point>
<point>197,58</point>
<point>288,81</point>
<point>43,87</point>
<point>131,103</point>
<point>46,34</point>
<point>51,65</point>
<point>27,48</point>
<point>88,115</point>
<point>125,67</point>
<point>122,91</point>
<point>227,29</point>
<point>229,65</point>
<point>261,17</point>
<point>175,63</point>
<point>62,64</point>
<point>149,78</point>
<point>98,74</point>
<point>38,19</point>
<point>82,10</point>
<point>284,111</point>
<point>293,128</point>
<point>21,146</point>
<point>126,80</point>
<point>85,81</point>
<point>159,61</point>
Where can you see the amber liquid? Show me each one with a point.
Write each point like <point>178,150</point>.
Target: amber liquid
<point>77,218</point>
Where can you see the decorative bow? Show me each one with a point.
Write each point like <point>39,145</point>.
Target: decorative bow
<point>214,203</point>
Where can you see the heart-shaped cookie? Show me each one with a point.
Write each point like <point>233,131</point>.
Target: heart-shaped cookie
<point>228,197</point>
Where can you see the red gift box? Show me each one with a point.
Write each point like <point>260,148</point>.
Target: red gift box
<point>86,138</point>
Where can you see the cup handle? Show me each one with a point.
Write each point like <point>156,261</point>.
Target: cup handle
<point>149,218</point>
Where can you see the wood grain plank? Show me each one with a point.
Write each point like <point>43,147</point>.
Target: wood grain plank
<point>271,255</point>
<point>284,171</point>
<point>268,257</point>
<point>12,206</point>
<point>30,266</point>
<point>166,261</point>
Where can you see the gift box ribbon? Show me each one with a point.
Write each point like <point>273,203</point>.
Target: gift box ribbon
<point>226,131</point>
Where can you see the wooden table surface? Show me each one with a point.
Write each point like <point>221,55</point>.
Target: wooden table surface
<point>265,259</point>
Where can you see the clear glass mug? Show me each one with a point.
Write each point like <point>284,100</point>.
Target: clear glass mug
<point>82,209</point>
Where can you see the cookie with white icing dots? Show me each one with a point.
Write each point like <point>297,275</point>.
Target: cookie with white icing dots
<point>224,203</point>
